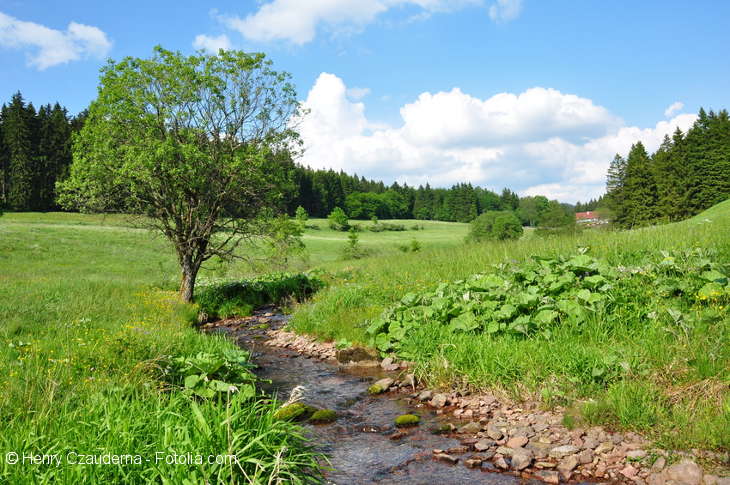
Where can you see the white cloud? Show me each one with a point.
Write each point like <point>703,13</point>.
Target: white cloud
<point>358,93</point>
<point>211,44</point>
<point>49,47</point>
<point>540,141</point>
<point>505,10</point>
<point>675,107</point>
<point>297,21</point>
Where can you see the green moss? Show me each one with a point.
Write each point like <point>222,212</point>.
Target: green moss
<point>375,389</point>
<point>407,420</point>
<point>294,411</point>
<point>442,429</point>
<point>323,416</point>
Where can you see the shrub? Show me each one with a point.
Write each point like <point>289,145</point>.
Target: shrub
<point>352,249</point>
<point>338,220</point>
<point>301,216</point>
<point>238,298</point>
<point>495,225</point>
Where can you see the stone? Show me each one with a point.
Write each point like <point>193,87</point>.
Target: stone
<point>439,400</point>
<point>473,462</point>
<point>501,463</point>
<point>294,412</point>
<point>405,420</point>
<point>548,476</point>
<point>635,454</point>
<point>563,451</point>
<point>380,386</point>
<point>494,432</point>
<point>659,464</point>
<point>425,395</point>
<point>545,464</point>
<point>408,381</point>
<point>471,427</point>
<point>604,447</point>
<point>355,354</point>
<point>540,450</point>
<point>442,428</point>
<point>457,450</point>
<point>452,460</point>
<point>397,435</point>
<point>629,472</point>
<point>517,442</point>
<point>386,362</point>
<point>567,465</point>
<point>483,445</point>
<point>521,459</point>
<point>590,443</point>
<point>685,472</point>
<point>585,457</point>
<point>503,450</point>
<point>390,368</point>
<point>323,416</point>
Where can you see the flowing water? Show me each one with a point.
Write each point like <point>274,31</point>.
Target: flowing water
<point>359,444</point>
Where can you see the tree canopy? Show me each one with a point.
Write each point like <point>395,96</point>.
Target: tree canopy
<point>189,143</point>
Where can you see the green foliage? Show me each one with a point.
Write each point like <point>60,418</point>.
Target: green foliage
<point>238,298</point>
<point>495,225</point>
<point>338,220</point>
<point>282,242</point>
<point>207,374</point>
<point>412,247</point>
<point>353,249</point>
<point>166,136</point>
<point>386,226</point>
<point>534,297</point>
<point>687,174</point>
<point>301,216</point>
<point>556,219</point>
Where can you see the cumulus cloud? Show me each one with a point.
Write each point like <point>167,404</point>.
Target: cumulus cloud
<point>505,10</point>
<point>297,21</point>
<point>675,107</point>
<point>46,47</point>
<point>540,141</point>
<point>211,44</point>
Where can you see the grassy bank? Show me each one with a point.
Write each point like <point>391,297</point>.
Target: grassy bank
<point>88,325</point>
<point>675,387</point>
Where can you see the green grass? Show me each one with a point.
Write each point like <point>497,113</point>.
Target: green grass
<point>87,320</point>
<point>677,390</point>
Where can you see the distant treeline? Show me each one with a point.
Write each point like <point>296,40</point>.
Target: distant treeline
<point>35,151</point>
<point>686,175</point>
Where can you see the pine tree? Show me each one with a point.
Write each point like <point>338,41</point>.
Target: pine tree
<point>615,182</point>
<point>640,192</point>
<point>17,126</point>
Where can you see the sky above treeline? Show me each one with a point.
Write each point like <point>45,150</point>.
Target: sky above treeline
<point>532,95</point>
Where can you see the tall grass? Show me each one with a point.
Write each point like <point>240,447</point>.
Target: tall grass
<point>87,316</point>
<point>674,377</point>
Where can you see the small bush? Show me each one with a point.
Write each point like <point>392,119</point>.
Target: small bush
<point>495,225</point>
<point>338,220</point>
<point>352,249</point>
<point>238,298</point>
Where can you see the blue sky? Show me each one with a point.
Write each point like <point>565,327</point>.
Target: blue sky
<point>528,94</point>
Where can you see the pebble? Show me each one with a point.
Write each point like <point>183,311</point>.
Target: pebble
<point>439,400</point>
<point>470,428</point>
<point>521,459</point>
<point>563,451</point>
<point>548,476</point>
<point>636,454</point>
<point>517,442</point>
<point>452,460</point>
<point>483,445</point>
<point>567,465</point>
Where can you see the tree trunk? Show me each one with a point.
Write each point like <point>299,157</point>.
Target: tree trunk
<point>187,283</point>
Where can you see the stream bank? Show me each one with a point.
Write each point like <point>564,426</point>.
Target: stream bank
<point>480,439</point>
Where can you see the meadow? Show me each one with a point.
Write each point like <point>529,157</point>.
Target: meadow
<point>90,321</point>
<point>90,317</point>
<point>669,381</point>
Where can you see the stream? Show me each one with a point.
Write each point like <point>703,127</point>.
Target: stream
<point>358,443</point>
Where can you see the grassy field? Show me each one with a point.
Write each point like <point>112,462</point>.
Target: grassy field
<point>88,322</point>
<point>677,386</point>
<point>88,309</point>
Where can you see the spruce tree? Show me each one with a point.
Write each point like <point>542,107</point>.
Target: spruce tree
<point>17,124</point>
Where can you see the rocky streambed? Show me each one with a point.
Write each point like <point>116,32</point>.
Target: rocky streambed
<point>458,439</point>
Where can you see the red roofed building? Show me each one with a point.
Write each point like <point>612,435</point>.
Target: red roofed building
<point>589,216</point>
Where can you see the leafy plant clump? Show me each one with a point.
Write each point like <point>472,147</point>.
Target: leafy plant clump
<point>529,299</point>
<point>238,298</point>
<point>207,375</point>
<point>495,225</point>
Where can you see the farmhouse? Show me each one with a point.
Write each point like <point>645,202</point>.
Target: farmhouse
<point>590,217</point>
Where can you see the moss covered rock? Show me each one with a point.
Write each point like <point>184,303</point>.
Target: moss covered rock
<point>323,416</point>
<point>407,420</point>
<point>375,389</point>
<point>294,412</point>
